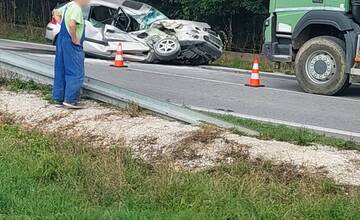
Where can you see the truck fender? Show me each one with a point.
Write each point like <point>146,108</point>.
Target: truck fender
<point>339,21</point>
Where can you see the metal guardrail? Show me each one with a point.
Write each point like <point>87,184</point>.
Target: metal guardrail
<point>105,92</point>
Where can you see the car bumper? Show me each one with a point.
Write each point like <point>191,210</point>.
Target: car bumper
<point>51,31</point>
<point>204,49</point>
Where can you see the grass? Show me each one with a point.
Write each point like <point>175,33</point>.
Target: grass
<point>134,110</point>
<point>245,61</point>
<point>283,133</point>
<point>22,33</point>
<point>10,82</point>
<point>49,177</point>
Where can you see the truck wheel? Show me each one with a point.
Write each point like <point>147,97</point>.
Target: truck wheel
<point>320,66</point>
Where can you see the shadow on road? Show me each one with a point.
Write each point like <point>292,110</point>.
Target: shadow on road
<point>352,92</point>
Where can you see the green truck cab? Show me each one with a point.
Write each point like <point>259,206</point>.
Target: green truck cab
<point>321,37</point>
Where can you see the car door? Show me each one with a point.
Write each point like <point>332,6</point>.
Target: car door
<point>120,31</point>
<point>99,17</point>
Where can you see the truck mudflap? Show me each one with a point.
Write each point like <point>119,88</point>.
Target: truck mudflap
<point>355,70</point>
<point>355,75</point>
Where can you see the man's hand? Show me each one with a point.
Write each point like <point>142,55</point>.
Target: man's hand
<point>72,32</point>
<point>76,41</point>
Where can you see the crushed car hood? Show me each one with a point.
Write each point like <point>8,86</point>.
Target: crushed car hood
<point>178,24</point>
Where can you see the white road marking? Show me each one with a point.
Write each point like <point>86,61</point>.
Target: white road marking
<point>90,60</point>
<point>350,135</point>
<point>242,85</point>
<point>243,71</point>
<point>87,60</point>
<point>170,66</point>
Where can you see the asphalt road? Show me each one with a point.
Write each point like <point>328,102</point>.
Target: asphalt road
<point>281,101</point>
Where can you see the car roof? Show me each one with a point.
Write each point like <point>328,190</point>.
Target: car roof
<point>130,6</point>
<point>109,3</point>
<point>117,3</point>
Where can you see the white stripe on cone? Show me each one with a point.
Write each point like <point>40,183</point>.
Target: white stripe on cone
<point>255,76</point>
<point>119,57</point>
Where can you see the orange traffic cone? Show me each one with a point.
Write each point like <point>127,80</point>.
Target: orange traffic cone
<point>255,75</point>
<point>119,58</point>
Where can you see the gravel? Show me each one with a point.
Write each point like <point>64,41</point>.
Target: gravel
<point>153,138</point>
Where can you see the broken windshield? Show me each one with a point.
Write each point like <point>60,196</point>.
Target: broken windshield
<point>147,18</point>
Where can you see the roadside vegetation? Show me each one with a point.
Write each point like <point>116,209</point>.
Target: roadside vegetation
<point>22,33</point>
<point>292,135</point>
<point>245,61</point>
<point>48,176</point>
<point>10,82</point>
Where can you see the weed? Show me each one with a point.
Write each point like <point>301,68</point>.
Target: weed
<point>22,33</point>
<point>283,133</point>
<point>6,119</point>
<point>133,110</point>
<point>188,147</point>
<point>12,82</point>
<point>245,61</point>
<point>206,134</point>
<point>42,175</point>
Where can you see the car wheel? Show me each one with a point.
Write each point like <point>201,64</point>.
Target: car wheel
<point>167,49</point>
<point>320,66</point>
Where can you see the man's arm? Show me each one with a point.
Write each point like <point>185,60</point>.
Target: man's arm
<point>72,32</point>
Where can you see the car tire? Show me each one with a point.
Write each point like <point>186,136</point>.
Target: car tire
<point>320,66</point>
<point>167,49</point>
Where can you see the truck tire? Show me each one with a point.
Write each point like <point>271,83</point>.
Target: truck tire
<point>320,66</point>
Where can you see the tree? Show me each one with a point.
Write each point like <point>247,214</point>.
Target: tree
<point>219,13</point>
<point>222,10</point>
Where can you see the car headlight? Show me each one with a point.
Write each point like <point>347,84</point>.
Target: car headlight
<point>210,31</point>
<point>194,34</point>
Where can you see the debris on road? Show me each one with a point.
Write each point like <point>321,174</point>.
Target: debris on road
<point>188,147</point>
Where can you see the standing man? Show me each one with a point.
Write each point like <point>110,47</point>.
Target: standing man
<point>70,57</point>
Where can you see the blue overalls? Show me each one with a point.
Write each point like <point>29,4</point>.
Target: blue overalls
<point>69,67</point>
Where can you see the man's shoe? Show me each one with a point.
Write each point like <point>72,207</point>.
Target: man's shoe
<point>73,105</point>
<point>58,104</point>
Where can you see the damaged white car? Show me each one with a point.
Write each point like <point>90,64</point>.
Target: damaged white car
<point>146,34</point>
